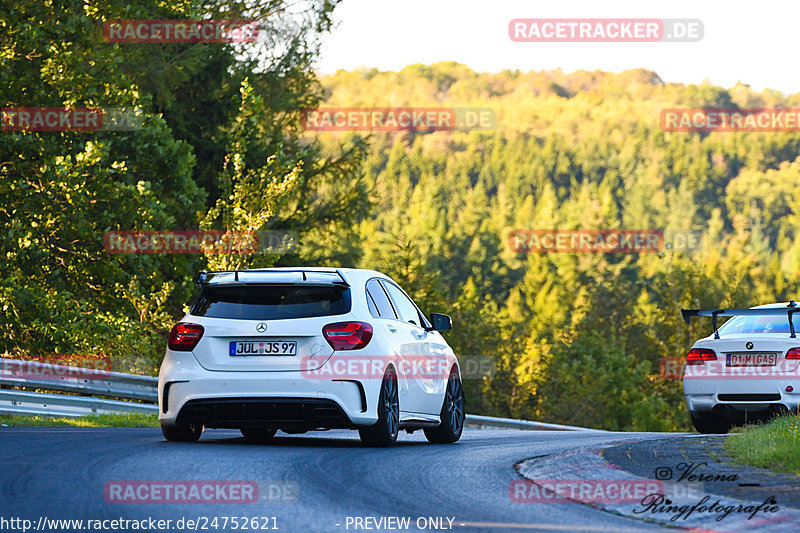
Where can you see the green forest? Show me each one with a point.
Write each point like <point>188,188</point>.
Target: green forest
<point>571,338</point>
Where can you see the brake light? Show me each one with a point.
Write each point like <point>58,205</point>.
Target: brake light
<point>698,356</point>
<point>793,353</point>
<point>347,335</point>
<point>184,336</point>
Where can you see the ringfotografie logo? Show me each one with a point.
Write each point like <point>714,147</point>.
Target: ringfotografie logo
<point>659,504</point>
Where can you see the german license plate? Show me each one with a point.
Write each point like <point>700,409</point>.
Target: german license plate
<point>752,359</point>
<point>276,347</point>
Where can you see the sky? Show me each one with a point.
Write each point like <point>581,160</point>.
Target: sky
<point>753,42</point>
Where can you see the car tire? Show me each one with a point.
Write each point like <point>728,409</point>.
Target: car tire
<point>184,433</point>
<point>452,414</point>
<point>384,431</point>
<point>709,423</point>
<point>258,436</point>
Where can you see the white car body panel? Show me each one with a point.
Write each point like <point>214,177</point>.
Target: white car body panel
<point>714,385</point>
<point>209,372</point>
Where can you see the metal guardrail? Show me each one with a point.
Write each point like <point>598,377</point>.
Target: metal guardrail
<point>86,382</point>
<point>490,422</point>
<point>39,403</point>
<point>44,376</point>
<point>90,383</point>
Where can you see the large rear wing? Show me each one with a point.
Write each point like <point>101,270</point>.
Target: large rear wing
<point>789,310</point>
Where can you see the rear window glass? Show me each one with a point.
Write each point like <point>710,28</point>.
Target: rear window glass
<point>758,324</point>
<point>272,302</point>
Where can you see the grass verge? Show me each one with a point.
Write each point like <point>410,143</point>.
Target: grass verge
<point>773,446</point>
<point>90,421</point>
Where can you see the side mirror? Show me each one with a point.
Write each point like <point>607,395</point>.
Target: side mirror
<point>441,322</point>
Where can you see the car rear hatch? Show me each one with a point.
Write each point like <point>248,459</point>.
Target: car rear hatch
<point>270,322</point>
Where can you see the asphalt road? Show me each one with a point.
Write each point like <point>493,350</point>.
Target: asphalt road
<point>62,473</point>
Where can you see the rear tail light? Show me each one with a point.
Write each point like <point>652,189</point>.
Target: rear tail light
<point>793,353</point>
<point>698,356</point>
<point>347,335</point>
<point>184,336</point>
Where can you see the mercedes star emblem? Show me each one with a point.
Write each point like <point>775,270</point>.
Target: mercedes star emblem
<point>261,327</point>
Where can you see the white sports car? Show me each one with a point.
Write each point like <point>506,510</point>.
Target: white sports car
<point>745,370</point>
<point>298,349</point>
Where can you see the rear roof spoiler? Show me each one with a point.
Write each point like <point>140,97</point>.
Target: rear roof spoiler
<point>204,277</point>
<point>789,310</point>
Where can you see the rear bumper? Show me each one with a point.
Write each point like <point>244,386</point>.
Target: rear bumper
<point>753,395</point>
<point>285,413</point>
<point>287,400</point>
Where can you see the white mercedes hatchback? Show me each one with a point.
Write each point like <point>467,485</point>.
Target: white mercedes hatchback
<point>747,370</point>
<point>299,349</point>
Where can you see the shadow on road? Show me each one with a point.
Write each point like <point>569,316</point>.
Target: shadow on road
<point>298,441</point>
